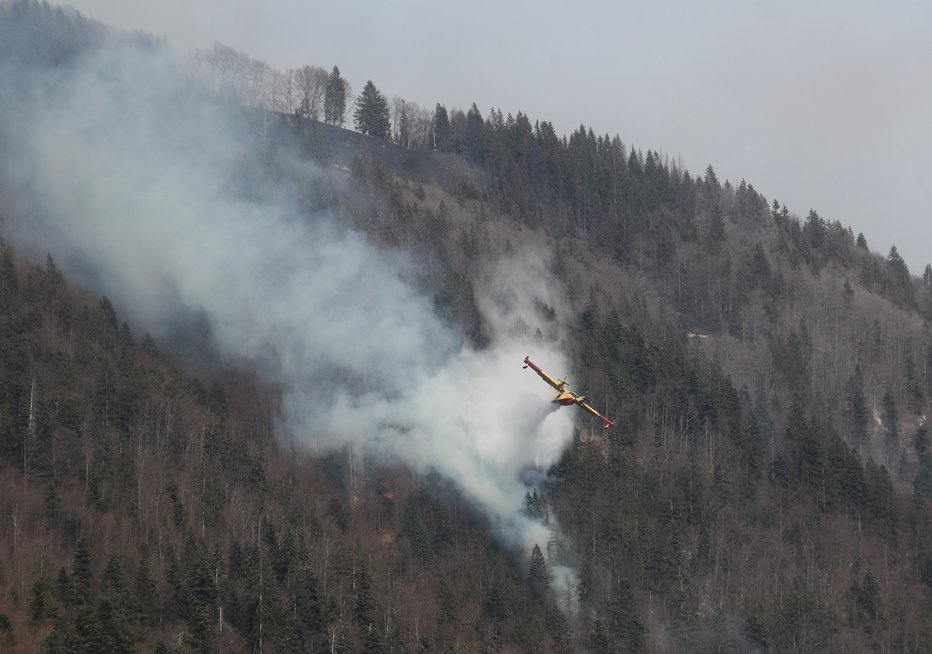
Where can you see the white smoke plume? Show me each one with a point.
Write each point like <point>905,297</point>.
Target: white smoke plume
<point>123,172</point>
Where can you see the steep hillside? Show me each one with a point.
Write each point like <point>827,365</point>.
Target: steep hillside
<point>144,510</point>
<point>746,499</point>
<point>328,443</point>
<point>795,311</point>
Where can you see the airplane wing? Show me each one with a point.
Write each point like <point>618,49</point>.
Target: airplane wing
<point>558,385</point>
<point>587,407</point>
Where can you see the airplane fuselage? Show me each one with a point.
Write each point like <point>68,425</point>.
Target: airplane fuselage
<point>564,399</point>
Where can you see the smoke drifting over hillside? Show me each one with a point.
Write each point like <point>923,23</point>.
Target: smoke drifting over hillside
<point>128,177</point>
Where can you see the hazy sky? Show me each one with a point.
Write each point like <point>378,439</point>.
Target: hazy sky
<point>821,105</point>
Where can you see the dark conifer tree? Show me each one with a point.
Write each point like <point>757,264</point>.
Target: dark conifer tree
<point>441,128</point>
<point>371,116</point>
<point>867,602</point>
<point>900,282</point>
<point>41,600</point>
<point>81,572</point>
<point>475,126</point>
<point>815,230</point>
<point>8,279</point>
<point>446,603</point>
<point>890,419</point>
<point>599,642</point>
<point>922,484</point>
<point>538,575</point>
<point>363,594</point>
<point>144,595</point>
<point>335,99</point>
<point>857,404</point>
<point>113,612</point>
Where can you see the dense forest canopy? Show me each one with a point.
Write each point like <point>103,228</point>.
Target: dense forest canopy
<point>766,487</point>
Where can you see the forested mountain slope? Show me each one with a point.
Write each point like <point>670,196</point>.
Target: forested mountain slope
<point>765,488</point>
<point>746,496</point>
<point>145,510</point>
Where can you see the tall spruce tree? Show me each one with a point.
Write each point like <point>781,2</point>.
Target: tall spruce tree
<point>538,575</point>
<point>335,99</point>
<point>441,128</point>
<point>475,126</point>
<point>371,116</point>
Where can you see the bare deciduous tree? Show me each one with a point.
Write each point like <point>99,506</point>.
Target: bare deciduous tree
<point>282,91</point>
<point>421,122</point>
<point>231,74</point>
<point>311,82</point>
<point>220,69</point>
<point>411,123</point>
<point>400,123</point>
<point>259,84</point>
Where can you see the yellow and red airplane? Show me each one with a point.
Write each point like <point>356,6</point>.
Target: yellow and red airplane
<point>566,397</point>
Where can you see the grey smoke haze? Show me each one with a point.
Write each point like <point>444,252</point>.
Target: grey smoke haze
<point>127,176</point>
<point>822,105</point>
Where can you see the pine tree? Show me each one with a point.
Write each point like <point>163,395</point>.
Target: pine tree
<point>335,99</point>
<point>857,402</point>
<point>441,128</point>
<point>446,603</point>
<point>867,602</point>
<point>304,595</point>
<point>535,505</point>
<point>475,127</point>
<point>584,589</point>
<point>113,612</point>
<point>371,116</point>
<point>890,420</point>
<point>7,637</point>
<point>81,575</point>
<point>624,623</point>
<point>41,600</point>
<point>403,128</point>
<point>599,642</point>
<point>144,595</point>
<point>815,230</point>
<point>64,591</point>
<point>8,279</point>
<point>538,575</point>
<point>363,594</point>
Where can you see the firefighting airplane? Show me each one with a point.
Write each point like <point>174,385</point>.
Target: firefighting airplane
<point>566,397</point>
